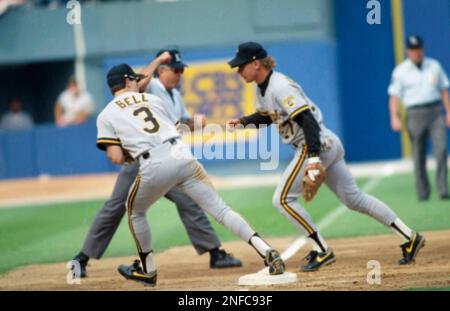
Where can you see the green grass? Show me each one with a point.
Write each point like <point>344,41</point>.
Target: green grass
<point>55,232</point>
<point>423,289</point>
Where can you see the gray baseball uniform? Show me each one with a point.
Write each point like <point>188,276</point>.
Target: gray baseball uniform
<point>108,218</point>
<point>140,124</point>
<point>282,101</point>
<point>197,225</point>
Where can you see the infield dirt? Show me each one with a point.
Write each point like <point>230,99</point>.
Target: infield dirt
<point>180,268</point>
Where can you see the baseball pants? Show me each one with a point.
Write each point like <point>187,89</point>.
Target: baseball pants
<point>422,123</point>
<point>338,179</point>
<point>169,166</point>
<point>108,218</point>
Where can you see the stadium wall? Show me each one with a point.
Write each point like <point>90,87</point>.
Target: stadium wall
<point>343,63</point>
<point>55,151</point>
<point>366,59</point>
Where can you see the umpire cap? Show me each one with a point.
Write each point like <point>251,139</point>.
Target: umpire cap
<point>414,42</point>
<point>117,75</point>
<point>246,53</point>
<point>175,61</point>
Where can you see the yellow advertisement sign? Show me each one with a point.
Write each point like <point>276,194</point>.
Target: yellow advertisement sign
<point>215,90</point>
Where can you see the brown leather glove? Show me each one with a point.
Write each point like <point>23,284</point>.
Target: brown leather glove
<point>313,177</point>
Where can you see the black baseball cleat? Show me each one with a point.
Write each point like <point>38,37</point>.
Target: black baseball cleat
<point>411,249</point>
<point>315,260</point>
<point>274,261</point>
<point>134,272</point>
<point>83,261</point>
<point>221,259</point>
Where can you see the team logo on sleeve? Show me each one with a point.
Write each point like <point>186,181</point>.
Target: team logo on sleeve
<point>433,78</point>
<point>289,102</point>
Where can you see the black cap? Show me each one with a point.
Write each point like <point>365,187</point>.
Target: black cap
<point>117,74</point>
<point>175,61</point>
<point>414,42</point>
<point>246,53</point>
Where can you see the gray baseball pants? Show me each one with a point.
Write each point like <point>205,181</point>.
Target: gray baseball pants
<point>108,218</point>
<point>422,123</point>
<point>338,179</point>
<point>174,165</point>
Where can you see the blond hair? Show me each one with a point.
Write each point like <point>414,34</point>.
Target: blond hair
<point>269,62</point>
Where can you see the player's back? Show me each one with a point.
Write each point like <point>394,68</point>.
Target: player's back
<point>138,120</point>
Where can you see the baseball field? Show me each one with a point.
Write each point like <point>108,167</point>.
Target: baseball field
<point>37,241</point>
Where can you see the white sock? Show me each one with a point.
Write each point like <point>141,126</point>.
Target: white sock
<point>150,263</point>
<point>260,245</point>
<point>402,230</point>
<point>317,242</point>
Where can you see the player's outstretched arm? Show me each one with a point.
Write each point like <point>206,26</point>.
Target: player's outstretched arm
<point>150,69</point>
<point>232,123</point>
<point>196,122</point>
<point>256,119</point>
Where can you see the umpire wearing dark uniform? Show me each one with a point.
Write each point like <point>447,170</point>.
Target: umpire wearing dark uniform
<point>421,85</point>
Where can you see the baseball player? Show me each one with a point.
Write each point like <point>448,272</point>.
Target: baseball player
<point>197,225</point>
<point>319,156</point>
<point>137,126</point>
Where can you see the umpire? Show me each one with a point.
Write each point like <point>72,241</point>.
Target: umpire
<point>421,85</point>
<point>197,225</point>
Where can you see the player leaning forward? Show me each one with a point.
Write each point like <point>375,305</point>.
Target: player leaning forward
<point>137,125</point>
<point>319,156</point>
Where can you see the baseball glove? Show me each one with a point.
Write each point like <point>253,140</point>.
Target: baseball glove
<point>313,177</point>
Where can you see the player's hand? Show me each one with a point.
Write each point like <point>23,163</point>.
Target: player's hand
<point>164,58</point>
<point>199,120</point>
<point>232,123</point>
<point>396,124</point>
<point>313,177</point>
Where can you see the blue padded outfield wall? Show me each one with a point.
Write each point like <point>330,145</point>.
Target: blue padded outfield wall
<point>366,59</point>
<point>432,22</point>
<point>49,150</point>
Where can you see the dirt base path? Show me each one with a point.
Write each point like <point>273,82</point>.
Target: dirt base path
<point>181,269</point>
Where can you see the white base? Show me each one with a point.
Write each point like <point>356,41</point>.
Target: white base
<point>264,278</point>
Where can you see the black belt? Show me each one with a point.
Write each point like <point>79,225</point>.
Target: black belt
<point>426,105</point>
<point>146,154</point>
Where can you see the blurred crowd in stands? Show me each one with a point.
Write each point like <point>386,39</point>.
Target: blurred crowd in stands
<point>73,106</point>
<point>6,5</point>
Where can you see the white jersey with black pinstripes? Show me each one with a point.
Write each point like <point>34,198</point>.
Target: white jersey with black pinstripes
<point>136,121</point>
<point>283,100</point>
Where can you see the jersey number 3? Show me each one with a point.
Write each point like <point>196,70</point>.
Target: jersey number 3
<point>148,118</point>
